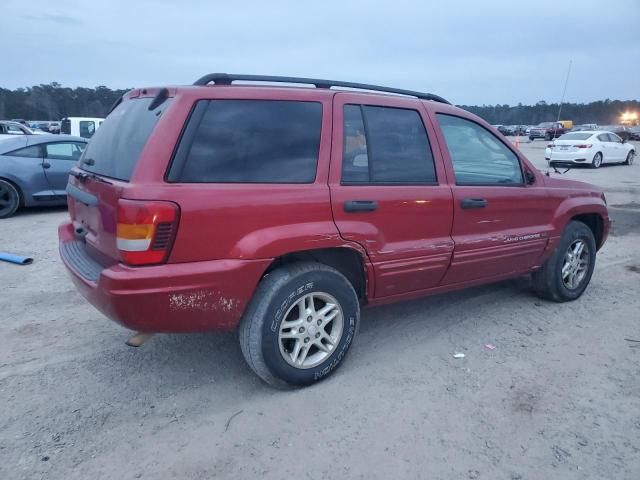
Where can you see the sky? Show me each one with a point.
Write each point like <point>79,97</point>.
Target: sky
<point>470,52</point>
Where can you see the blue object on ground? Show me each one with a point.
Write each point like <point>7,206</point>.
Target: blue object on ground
<point>8,257</point>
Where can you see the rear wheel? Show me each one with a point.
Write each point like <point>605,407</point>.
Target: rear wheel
<point>9,199</point>
<point>299,324</point>
<point>630,156</point>
<point>531,139</point>
<point>597,160</point>
<point>566,274</point>
<point>548,136</point>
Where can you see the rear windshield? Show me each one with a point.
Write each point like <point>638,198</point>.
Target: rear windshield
<point>546,124</point>
<point>115,147</point>
<point>575,136</point>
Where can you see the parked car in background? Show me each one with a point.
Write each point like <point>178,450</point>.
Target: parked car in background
<point>19,120</point>
<point>547,131</point>
<point>54,127</point>
<point>584,127</point>
<point>275,211</point>
<point>15,128</point>
<point>589,148</point>
<point>83,127</point>
<point>34,170</point>
<point>634,133</point>
<point>620,130</point>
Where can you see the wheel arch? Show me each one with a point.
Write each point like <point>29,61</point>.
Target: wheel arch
<point>595,222</point>
<point>18,188</point>
<point>348,261</point>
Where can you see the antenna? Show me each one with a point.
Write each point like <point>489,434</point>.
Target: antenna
<point>564,91</point>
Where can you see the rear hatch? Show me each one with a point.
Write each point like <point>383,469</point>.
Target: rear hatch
<point>105,169</point>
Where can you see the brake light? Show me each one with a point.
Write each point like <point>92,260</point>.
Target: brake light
<point>145,231</point>
<point>583,146</point>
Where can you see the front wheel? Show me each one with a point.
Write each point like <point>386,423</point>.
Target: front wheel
<point>531,139</point>
<point>566,274</point>
<point>300,324</point>
<point>630,157</point>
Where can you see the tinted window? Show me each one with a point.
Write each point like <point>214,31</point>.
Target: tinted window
<point>614,138</point>
<point>575,136</point>
<point>478,156</point>
<point>603,137</point>
<point>64,151</point>
<point>118,143</point>
<point>31,152</point>
<point>385,145</point>
<point>87,128</point>
<point>250,141</point>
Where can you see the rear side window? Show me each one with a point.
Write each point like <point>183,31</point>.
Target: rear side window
<point>116,146</point>
<point>34,151</point>
<point>249,141</point>
<point>385,145</point>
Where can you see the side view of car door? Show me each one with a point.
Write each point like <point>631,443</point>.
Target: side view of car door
<point>619,153</point>
<point>59,158</point>
<point>389,191</point>
<point>502,212</point>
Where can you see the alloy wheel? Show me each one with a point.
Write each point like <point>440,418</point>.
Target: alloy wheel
<point>575,265</point>
<point>310,330</point>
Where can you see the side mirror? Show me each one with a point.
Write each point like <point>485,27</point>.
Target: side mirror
<point>624,140</point>
<point>530,177</point>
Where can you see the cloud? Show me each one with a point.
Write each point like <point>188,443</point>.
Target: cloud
<point>469,52</point>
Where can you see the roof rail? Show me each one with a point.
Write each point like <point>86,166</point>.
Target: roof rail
<point>229,78</point>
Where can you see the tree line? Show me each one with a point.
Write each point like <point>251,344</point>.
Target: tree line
<point>53,102</point>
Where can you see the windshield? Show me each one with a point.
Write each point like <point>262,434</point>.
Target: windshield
<point>546,124</point>
<point>575,136</point>
<point>116,146</point>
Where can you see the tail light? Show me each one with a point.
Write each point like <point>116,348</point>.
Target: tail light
<point>145,231</point>
<point>583,146</point>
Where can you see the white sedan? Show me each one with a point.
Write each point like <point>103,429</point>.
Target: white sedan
<point>589,148</point>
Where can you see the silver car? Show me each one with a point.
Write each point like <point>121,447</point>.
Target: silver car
<point>34,169</point>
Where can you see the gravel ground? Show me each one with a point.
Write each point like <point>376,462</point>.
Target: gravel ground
<point>558,398</point>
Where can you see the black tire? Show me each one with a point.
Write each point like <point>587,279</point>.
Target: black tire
<point>629,160</point>
<point>531,139</point>
<point>548,282</point>
<point>597,160</point>
<point>9,199</point>
<point>276,293</point>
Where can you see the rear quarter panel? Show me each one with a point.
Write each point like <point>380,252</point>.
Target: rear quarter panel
<point>242,221</point>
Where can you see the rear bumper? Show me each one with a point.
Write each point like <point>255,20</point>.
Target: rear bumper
<point>181,297</point>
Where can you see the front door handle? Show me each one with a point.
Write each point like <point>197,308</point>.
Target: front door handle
<point>46,165</point>
<point>360,206</point>
<point>473,203</point>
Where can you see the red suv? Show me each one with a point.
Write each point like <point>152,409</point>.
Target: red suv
<point>283,210</point>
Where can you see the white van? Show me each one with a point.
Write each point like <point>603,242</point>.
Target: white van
<point>83,127</point>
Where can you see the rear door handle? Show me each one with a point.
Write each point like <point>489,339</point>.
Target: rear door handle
<point>360,206</point>
<point>473,203</point>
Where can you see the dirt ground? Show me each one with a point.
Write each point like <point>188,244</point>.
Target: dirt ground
<point>558,398</point>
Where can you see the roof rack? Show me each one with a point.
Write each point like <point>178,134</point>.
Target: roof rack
<point>229,78</point>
